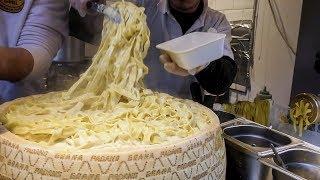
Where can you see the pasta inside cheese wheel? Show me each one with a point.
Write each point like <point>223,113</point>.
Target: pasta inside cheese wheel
<point>108,105</point>
<point>107,125</point>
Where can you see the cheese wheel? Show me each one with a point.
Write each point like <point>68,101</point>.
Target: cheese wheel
<point>198,156</point>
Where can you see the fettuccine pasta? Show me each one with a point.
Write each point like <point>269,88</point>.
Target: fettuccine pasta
<point>109,105</point>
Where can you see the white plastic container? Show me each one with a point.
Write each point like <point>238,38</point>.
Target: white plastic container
<point>194,49</point>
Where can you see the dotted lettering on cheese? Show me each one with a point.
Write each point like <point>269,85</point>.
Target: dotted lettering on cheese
<point>199,176</point>
<point>99,158</point>
<point>38,152</point>
<point>136,157</point>
<point>199,158</point>
<point>84,176</point>
<point>18,165</point>
<point>186,165</point>
<point>10,144</point>
<point>68,157</point>
<point>47,172</point>
<point>158,172</point>
<point>124,176</point>
<point>170,152</point>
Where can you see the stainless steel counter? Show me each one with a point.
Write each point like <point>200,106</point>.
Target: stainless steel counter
<point>311,137</point>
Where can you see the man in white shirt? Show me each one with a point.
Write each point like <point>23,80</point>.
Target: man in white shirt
<point>32,32</point>
<point>169,19</point>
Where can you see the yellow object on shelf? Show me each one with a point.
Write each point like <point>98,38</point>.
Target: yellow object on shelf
<point>300,115</point>
<point>304,111</point>
<point>257,111</point>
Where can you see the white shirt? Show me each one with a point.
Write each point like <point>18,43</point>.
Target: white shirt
<point>39,28</point>
<point>164,27</point>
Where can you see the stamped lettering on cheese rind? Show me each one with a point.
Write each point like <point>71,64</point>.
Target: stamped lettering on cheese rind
<point>140,156</point>
<point>66,166</point>
<point>158,172</point>
<point>196,152</point>
<point>157,163</point>
<point>104,167</point>
<point>200,167</point>
<point>29,176</point>
<point>200,176</point>
<point>38,152</point>
<point>14,174</point>
<point>121,176</point>
<point>172,160</point>
<point>30,161</point>
<point>175,175</point>
<point>123,166</point>
<point>185,156</point>
<point>105,158</point>
<point>7,143</point>
<point>186,165</point>
<point>193,145</point>
<point>18,156</point>
<point>7,152</point>
<point>84,176</point>
<point>143,166</point>
<point>49,163</point>
<point>85,167</point>
<point>48,172</point>
<point>188,172</point>
<point>171,151</point>
<point>3,168</point>
<point>18,165</point>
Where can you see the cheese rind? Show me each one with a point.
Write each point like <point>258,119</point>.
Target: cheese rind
<point>199,156</point>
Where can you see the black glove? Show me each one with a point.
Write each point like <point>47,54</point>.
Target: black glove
<point>218,76</point>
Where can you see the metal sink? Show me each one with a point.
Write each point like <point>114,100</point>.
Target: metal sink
<point>244,143</point>
<point>257,136</point>
<point>303,163</point>
<point>249,156</point>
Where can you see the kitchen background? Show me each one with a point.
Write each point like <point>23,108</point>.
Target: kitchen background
<point>274,69</point>
<point>268,60</point>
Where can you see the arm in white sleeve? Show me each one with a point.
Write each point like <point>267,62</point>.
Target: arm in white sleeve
<point>43,33</point>
<point>224,27</point>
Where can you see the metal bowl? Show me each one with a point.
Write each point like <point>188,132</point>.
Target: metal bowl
<point>257,136</point>
<point>300,162</point>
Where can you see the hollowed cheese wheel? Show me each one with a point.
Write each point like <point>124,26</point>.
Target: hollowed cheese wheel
<point>199,156</point>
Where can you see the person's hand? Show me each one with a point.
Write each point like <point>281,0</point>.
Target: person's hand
<point>80,5</point>
<point>171,66</point>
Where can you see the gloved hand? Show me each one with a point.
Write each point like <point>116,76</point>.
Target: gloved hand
<point>173,68</point>
<point>80,5</point>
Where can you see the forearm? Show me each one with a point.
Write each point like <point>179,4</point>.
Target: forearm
<point>15,63</point>
<point>217,77</point>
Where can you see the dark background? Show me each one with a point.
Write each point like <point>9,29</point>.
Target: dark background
<point>306,78</point>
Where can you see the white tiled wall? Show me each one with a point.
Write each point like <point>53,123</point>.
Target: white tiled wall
<point>234,9</point>
<point>273,61</point>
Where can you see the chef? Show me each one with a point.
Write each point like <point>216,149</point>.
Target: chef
<point>32,32</point>
<point>169,19</point>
